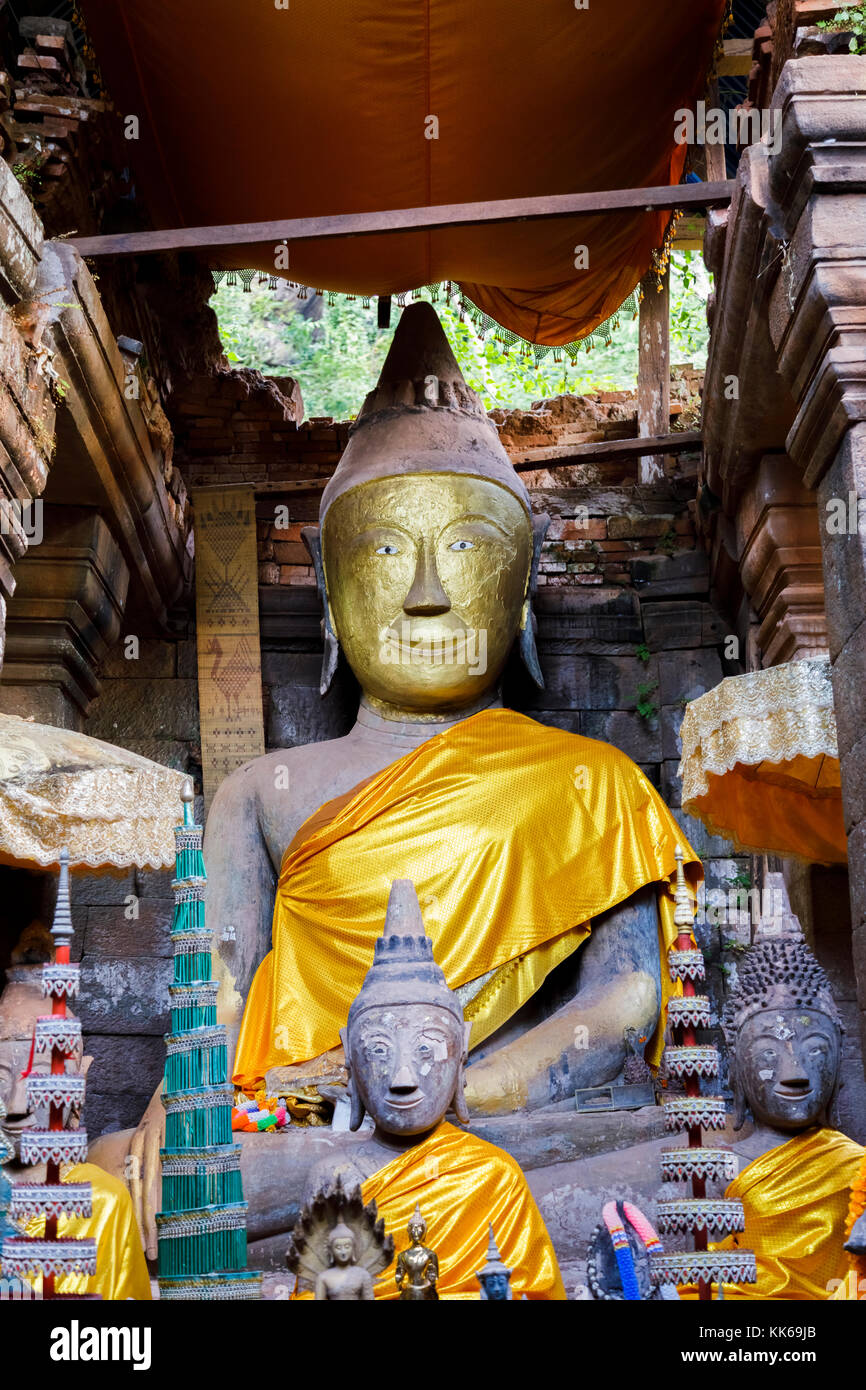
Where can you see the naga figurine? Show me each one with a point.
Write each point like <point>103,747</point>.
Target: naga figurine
<point>338,1244</point>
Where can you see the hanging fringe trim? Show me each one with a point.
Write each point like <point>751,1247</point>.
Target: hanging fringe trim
<point>484,325</point>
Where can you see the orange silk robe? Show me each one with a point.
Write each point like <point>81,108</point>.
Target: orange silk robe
<point>461,1183</point>
<point>121,1271</point>
<point>796,1200</point>
<point>515,834</point>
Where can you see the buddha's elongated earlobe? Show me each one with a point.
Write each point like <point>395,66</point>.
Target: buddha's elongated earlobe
<point>356,1110</point>
<point>528,650</point>
<point>458,1103</point>
<point>312,538</point>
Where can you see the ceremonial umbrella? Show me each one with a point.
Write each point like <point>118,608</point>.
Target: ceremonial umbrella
<point>111,809</point>
<point>760,762</point>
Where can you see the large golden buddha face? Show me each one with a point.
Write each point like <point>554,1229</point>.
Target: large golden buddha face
<point>426,576</point>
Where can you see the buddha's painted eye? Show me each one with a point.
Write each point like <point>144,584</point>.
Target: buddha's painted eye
<point>387,550</point>
<point>379,1050</point>
<point>462,545</point>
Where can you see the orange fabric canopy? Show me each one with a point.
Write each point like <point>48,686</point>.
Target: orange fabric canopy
<point>250,112</point>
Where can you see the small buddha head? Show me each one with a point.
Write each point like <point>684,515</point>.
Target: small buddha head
<point>785,1034</point>
<point>341,1246</point>
<point>427,548</point>
<point>405,1039</point>
<point>417,1227</point>
<point>494,1277</point>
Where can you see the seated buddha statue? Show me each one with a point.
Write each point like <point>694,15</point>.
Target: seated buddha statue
<point>784,1034</point>
<point>436,1187</point>
<point>525,842</point>
<point>121,1272</point>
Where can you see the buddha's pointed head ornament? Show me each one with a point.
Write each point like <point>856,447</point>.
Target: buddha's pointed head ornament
<point>405,1038</point>
<point>782,1027</point>
<point>427,551</point>
<point>495,1276</point>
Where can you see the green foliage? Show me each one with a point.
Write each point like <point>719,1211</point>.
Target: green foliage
<point>336,353</point>
<point>645,705</point>
<point>741,880</point>
<point>853,19</point>
<point>668,542</point>
<point>643,652</point>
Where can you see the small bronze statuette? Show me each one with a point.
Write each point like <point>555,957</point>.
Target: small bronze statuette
<point>417,1267</point>
<point>495,1277</point>
<point>337,1245</point>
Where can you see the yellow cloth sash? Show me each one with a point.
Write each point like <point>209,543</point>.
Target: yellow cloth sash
<point>461,1183</point>
<point>121,1271</point>
<point>516,835</point>
<point>796,1200</point>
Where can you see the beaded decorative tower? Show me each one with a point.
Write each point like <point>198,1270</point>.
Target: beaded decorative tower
<point>202,1228</point>
<point>705,1218</point>
<point>55,1033</point>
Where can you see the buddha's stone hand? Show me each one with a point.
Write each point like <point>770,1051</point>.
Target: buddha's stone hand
<point>144,1170</point>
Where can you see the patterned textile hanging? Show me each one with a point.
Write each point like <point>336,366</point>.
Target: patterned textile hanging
<point>202,1227</point>
<point>55,1033</point>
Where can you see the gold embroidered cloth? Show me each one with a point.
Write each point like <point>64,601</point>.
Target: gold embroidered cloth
<point>516,836</point>
<point>760,762</point>
<point>461,1183</point>
<point>795,1199</point>
<point>60,789</point>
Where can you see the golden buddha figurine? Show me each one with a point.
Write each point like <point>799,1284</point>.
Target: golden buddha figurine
<point>417,1267</point>
<point>524,841</point>
<point>783,1028</point>
<point>405,1044</point>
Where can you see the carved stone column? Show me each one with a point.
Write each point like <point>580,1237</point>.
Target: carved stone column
<point>66,612</point>
<point>817,318</point>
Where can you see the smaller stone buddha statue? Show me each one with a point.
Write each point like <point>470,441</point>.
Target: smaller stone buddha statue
<point>405,1042</point>
<point>784,1032</point>
<point>345,1281</point>
<point>417,1267</point>
<point>495,1277</point>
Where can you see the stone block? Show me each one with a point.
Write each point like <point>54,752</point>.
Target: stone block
<point>854,783</point>
<point>672,576</point>
<point>567,719</point>
<point>849,692</point>
<point>156,883</point>
<point>593,682</point>
<point>123,1068</point>
<point>106,1113</point>
<point>672,625</point>
<point>670,785</point>
<point>844,556</point>
<point>671,717</point>
<point>125,996</point>
<point>688,674</point>
<point>170,752</point>
<point>100,890</point>
<point>631,527</point>
<point>604,614</point>
<point>292,668</point>
<point>298,714</point>
<point>702,842</point>
<point>857,881</point>
<point>155,659</point>
<point>187,659</point>
<point>639,738</point>
<point>109,934</point>
<point>160,709</point>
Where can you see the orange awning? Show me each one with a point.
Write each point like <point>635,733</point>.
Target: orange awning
<point>248,112</point>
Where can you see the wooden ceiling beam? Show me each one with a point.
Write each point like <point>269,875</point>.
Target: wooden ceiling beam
<point>655,199</point>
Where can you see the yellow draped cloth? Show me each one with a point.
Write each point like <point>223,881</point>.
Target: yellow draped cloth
<point>515,834</point>
<point>796,1200</point>
<point>121,1271</point>
<point>461,1183</point>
